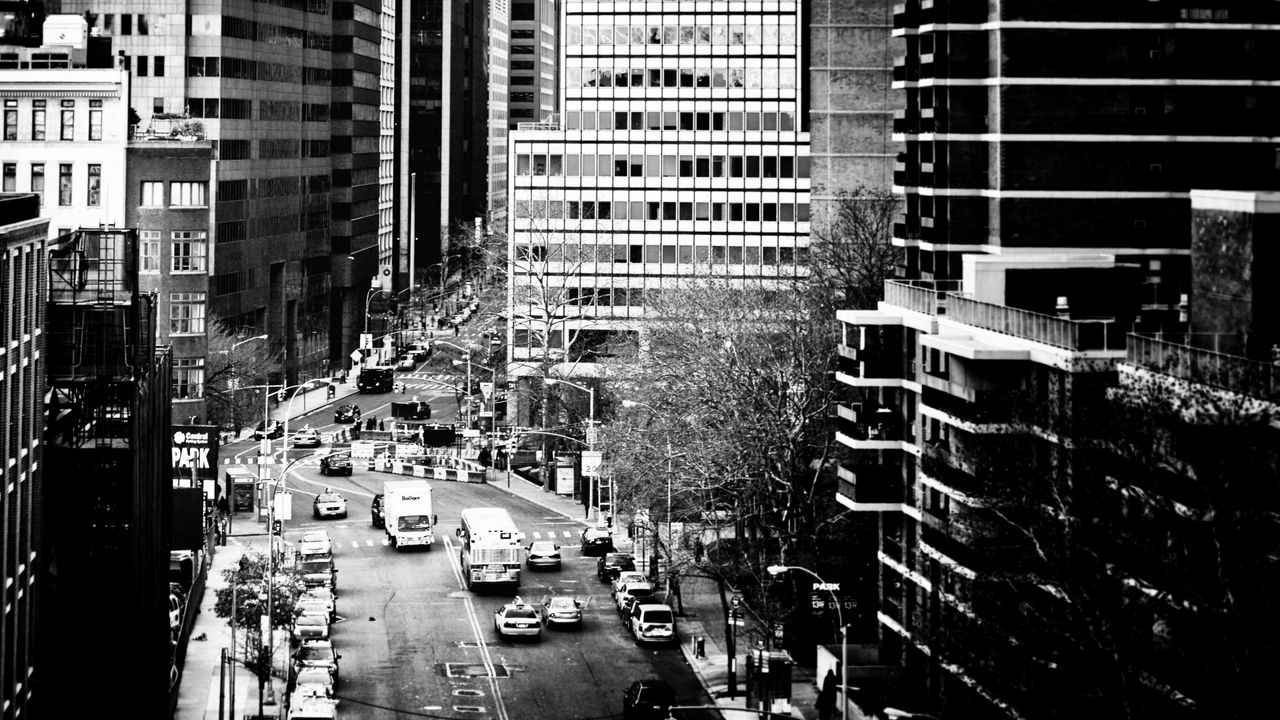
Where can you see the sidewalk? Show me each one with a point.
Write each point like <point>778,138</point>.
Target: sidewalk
<point>198,689</point>
<point>703,617</point>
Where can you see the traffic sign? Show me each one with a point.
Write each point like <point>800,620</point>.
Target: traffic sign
<point>591,460</point>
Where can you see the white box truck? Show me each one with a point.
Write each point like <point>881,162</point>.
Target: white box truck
<point>406,506</point>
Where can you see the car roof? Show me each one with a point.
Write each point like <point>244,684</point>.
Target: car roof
<point>562,600</point>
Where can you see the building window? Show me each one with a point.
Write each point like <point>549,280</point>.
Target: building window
<point>152,194</point>
<point>189,249</point>
<point>188,378</point>
<point>157,68</point>
<point>37,180</point>
<point>142,66</point>
<point>10,119</point>
<point>188,194</point>
<point>68,123</point>
<point>95,185</point>
<point>64,185</point>
<point>95,119</point>
<point>10,178</point>
<point>186,313</point>
<point>37,119</point>
<point>149,252</point>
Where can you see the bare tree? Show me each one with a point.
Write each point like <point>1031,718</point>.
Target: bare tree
<point>231,365</point>
<point>852,253</point>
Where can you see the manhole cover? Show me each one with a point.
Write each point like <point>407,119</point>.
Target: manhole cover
<point>465,692</point>
<point>468,708</point>
<point>474,670</point>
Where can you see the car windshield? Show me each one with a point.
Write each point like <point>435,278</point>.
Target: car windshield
<point>317,676</point>
<point>521,613</point>
<point>543,548</point>
<point>315,538</point>
<point>656,616</point>
<point>312,620</point>
<point>563,604</point>
<point>315,653</point>
<point>593,534</point>
<point>617,560</point>
<point>638,590</point>
<point>314,566</point>
<point>628,576</point>
<point>414,522</point>
<point>329,497</point>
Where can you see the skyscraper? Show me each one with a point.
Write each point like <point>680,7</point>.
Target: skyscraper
<point>678,151</point>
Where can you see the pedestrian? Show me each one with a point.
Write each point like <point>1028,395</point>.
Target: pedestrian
<point>381,425</point>
<point>224,508</point>
<point>826,703</point>
<point>456,329</point>
<point>675,590</point>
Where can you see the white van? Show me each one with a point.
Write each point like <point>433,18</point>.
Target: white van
<point>314,708</point>
<point>651,622</point>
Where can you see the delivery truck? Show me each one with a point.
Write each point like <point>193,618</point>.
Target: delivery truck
<point>407,511</point>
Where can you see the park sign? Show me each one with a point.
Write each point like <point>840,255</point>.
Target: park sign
<point>194,455</point>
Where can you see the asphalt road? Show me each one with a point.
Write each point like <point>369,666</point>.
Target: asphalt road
<point>415,643</point>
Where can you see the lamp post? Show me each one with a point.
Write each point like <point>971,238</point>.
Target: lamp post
<point>776,570</point>
<point>492,396</point>
<point>671,471</point>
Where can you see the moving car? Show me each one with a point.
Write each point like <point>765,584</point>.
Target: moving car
<point>317,654</point>
<point>647,700</point>
<point>608,567</point>
<point>376,513</point>
<point>329,504</point>
<point>315,542</point>
<point>420,351</point>
<point>306,437</point>
<point>269,430</point>
<point>310,627</point>
<point>516,619</point>
<point>406,363</point>
<point>336,465</point>
<point>652,623</point>
<point>346,414</point>
<point>562,610</point>
<point>596,541</point>
<point>543,554</point>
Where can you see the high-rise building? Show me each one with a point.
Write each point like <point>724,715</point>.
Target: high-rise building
<point>678,152</point>
<point>850,102</point>
<point>24,287</point>
<point>535,60</point>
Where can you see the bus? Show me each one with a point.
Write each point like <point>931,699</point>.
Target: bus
<point>491,550</point>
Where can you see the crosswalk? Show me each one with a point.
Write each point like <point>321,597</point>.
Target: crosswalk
<point>536,535</point>
<point>430,381</point>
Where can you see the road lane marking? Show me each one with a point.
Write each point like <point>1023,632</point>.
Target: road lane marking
<point>456,566</point>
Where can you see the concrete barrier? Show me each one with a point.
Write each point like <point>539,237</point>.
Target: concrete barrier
<point>464,471</point>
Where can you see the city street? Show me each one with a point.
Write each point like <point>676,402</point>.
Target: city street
<point>413,640</point>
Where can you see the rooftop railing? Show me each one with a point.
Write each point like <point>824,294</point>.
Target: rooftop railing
<point>923,296</point>
<point>1185,361</point>
<point>1071,334</point>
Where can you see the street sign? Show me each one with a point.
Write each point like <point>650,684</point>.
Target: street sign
<point>366,341</point>
<point>355,357</point>
<point>591,460</point>
<point>486,389</point>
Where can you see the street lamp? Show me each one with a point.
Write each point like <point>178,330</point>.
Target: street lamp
<point>492,396</point>
<point>671,471</point>
<point>776,570</point>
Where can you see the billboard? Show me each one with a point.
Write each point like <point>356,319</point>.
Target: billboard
<point>194,455</point>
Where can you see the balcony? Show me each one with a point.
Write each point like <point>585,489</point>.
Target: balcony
<point>1186,361</point>
<point>923,296</point>
<point>1098,334</point>
<point>879,430</point>
<point>877,355</point>
<point>870,487</point>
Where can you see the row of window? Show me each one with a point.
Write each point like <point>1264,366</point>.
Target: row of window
<point>654,253</point>
<point>66,182</point>
<point>762,74</point>
<point>37,129</point>
<point>748,120</point>
<point>663,210</point>
<point>761,30</point>
<point>187,252</point>
<point>666,165</point>
<point>247,69</point>
<point>181,194</point>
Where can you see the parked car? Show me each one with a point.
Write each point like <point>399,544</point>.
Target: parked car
<point>336,465</point>
<point>543,554</point>
<point>651,622</point>
<point>315,542</point>
<point>647,700</point>
<point>406,362</point>
<point>346,414</point>
<point>624,577</point>
<point>376,513</point>
<point>596,541</point>
<point>314,681</point>
<point>517,619</point>
<point>269,430</point>
<point>310,627</point>
<point>317,654</point>
<point>306,437</point>
<point>562,610</point>
<point>642,590</point>
<point>608,567</point>
<point>321,595</point>
<point>318,572</point>
<point>303,606</point>
<point>175,612</point>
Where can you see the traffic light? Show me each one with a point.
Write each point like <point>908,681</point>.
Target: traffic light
<point>277,527</point>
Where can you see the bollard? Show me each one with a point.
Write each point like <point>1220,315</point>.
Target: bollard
<point>699,647</point>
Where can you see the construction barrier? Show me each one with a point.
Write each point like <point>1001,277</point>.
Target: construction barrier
<point>457,470</point>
